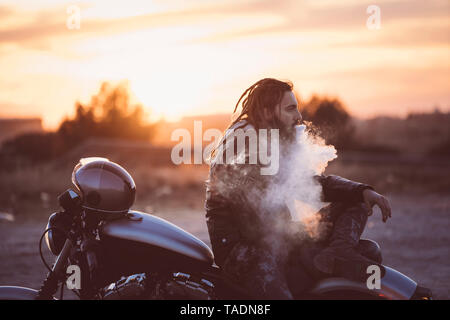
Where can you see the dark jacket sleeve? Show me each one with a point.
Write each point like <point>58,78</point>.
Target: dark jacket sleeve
<point>338,189</point>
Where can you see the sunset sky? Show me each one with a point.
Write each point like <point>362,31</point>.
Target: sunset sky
<point>188,57</point>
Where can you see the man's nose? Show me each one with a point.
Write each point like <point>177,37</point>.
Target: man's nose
<point>299,117</point>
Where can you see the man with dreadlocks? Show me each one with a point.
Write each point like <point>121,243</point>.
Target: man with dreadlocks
<point>258,246</point>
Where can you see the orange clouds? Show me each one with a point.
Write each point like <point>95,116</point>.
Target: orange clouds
<point>188,60</point>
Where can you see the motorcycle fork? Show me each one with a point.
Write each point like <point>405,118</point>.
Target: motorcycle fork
<point>50,285</point>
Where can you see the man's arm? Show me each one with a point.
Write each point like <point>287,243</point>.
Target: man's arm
<point>338,189</point>
<point>371,198</point>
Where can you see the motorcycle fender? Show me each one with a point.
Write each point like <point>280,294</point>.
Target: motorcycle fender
<point>17,293</point>
<point>394,286</point>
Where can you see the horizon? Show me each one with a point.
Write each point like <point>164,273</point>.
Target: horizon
<point>184,60</point>
<point>202,116</point>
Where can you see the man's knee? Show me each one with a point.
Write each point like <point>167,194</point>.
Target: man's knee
<point>351,221</point>
<point>336,209</point>
<point>358,211</point>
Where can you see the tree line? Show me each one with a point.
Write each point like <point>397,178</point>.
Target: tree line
<point>110,114</point>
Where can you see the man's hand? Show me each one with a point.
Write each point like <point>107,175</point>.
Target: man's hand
<point>371,198</point>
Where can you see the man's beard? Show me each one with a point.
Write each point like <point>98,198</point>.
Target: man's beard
<point>288,134</point>
<point>287,139</point>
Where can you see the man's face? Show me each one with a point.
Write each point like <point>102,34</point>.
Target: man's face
<point>288,113</point>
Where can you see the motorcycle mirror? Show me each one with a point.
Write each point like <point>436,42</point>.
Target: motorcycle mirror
<point>69,200</point>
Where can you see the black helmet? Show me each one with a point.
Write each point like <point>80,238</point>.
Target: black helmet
<point>104,185</point>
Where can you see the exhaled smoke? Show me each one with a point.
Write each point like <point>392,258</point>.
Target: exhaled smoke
<point>293,190</point>
<point>295,187</point>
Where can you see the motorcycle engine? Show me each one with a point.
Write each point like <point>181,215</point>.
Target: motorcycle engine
<point>185,286</point>
<point>127,288</point>
<point>142,286</point>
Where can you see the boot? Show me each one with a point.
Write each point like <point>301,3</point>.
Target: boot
<point>341,257</point>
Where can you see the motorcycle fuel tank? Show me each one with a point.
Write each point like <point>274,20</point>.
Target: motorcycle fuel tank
<point>141,242</point>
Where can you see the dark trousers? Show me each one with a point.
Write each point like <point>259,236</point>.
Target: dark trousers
<point>275,270</point>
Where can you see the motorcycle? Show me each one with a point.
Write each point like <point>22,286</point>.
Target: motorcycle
<point>126,254</point>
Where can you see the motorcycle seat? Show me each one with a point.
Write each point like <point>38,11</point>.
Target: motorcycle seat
<point>370,249</point>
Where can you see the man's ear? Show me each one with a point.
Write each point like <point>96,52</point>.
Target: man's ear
<point>268,115</point>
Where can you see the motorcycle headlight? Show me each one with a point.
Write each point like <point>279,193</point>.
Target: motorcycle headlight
<point>59,222</point>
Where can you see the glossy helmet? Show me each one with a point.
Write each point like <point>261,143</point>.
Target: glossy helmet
<point>105,186</point>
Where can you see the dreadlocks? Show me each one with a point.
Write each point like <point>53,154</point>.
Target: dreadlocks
<point>259,104</point>
<point>262,97</point>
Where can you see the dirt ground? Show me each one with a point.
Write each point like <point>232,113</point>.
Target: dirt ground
<point>415,241</point>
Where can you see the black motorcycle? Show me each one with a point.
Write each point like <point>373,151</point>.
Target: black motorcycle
<point>125,254</point>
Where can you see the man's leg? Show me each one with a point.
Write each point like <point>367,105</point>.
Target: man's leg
<point>258,271</point>
<point>341,258</point>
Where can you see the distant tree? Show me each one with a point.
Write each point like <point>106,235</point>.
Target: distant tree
<point>109,114</point>
<point>331,118</point>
